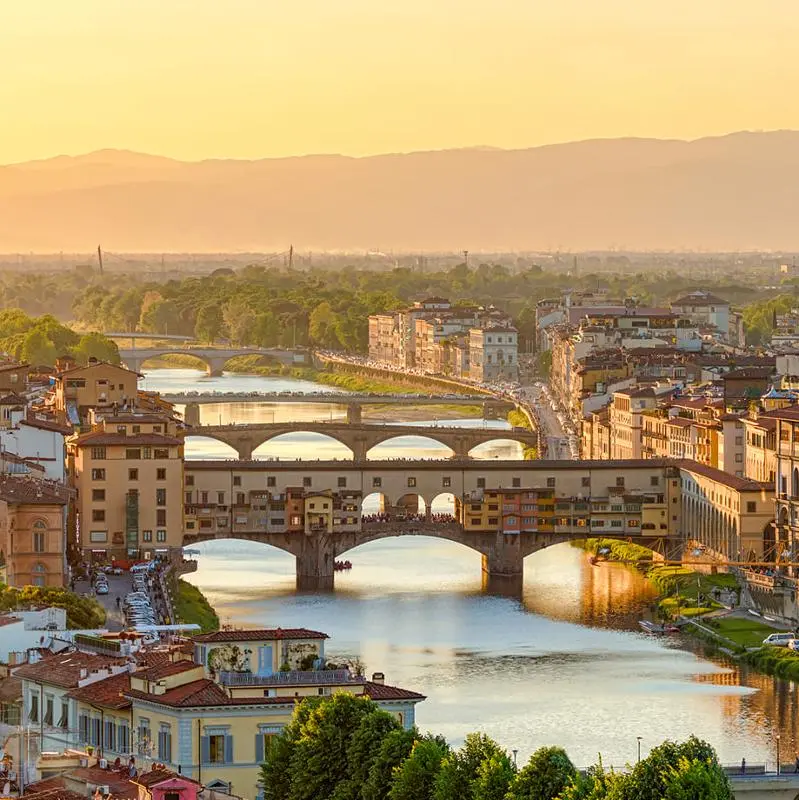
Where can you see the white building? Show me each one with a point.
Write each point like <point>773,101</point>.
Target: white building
<point>39,441</point>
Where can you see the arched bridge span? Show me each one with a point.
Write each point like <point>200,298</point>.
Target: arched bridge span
<point>215,358</point>
<point>359,438</point>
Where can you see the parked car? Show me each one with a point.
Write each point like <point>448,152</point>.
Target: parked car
<point>101,588</point>
<point>780,639</point>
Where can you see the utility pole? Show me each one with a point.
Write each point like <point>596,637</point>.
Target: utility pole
<point>466,257</point>
<point>291,256</point>
<point>100,258</point>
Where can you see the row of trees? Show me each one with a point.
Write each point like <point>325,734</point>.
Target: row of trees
<point>346,748</point>
<point>82,612</point>
<point>329,308</point>
<point>41,340</point>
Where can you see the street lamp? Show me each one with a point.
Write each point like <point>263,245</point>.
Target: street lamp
<point>778,754</point>
<point>639,748</point>
<point>514,757</point>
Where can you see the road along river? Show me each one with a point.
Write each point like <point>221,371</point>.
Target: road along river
<point>565,665</point>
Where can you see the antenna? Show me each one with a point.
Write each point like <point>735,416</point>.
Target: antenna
<point>100,258</point>
<point>466,257</point>
<point>291,256</point>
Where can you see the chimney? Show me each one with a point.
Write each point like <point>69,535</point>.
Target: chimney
<point>378,678</point>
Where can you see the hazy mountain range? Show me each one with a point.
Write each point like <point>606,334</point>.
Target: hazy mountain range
<point>732,192</point>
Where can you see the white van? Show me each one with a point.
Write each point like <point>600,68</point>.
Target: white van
<point>779,639</point>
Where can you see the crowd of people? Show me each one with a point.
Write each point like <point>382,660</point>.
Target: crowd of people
<point>441,519</point>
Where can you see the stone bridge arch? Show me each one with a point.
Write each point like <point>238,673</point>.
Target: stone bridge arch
<point>214,359</point>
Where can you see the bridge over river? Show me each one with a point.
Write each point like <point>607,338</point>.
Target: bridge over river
<point>360,438</point>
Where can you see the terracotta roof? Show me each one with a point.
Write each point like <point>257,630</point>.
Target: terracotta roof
<point>111,438</point>
<point>203,692</point>
<point>680,422</point>
<point>108,692</point>
<point>8,619</point>
<point>97,364</point>
<point>46,425</point>
<point>259,635</point>
<point>45,785</point>
<point>156,776</point>
<point>700,298</point>
<point>10,689</point>
<point>31,491</point>
<point>789,413</point>
<point>119,784</point>
<point>53,793</point>
<point>64,669</point>
<point>132,416</point>
<point>159,671</point>
<point>379,691</point>
<point>734,482</point>
<point>12,399</point>
<point>7,367</point>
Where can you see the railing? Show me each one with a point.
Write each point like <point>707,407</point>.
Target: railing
<point>293,678</point>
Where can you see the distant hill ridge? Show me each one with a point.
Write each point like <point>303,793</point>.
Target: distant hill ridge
<point>739,191</point>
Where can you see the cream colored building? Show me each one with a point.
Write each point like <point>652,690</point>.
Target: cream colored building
<point>128,472</point>
<point>77,390</point>
<point>760,463</point>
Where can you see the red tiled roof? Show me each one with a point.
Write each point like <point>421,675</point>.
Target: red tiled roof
<point>110,438</point>
<point>118,783</point>
<point>31,491</point>
<point>7,367</point>
<point>97,364</point>
<point>11,690</point>
<point>8,619</point>
<point>203,692</point>
<point>734,482</point>
<point>156,776</point>
<point>65,669</point>
<point>46,425</point>
<point>379,691</point>
<point>159,671</point>
<point>260,635</point>
<point>108,692</point>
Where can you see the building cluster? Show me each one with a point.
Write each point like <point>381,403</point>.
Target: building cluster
<point>107,713</point>
<point>435,337</point>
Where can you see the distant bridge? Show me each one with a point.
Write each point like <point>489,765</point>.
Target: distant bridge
<point>215,358</point>
<point>338,398</point>
<point>358,437</point>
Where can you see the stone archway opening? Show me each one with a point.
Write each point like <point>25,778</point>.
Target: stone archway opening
<point>405,446</point>
<point>410,506</point>
<point>445,507</point>
<point>500,448</point>
<point>375,507</point>
<point>197,447</point>
<point>176,359</point>
<point>303,445</point>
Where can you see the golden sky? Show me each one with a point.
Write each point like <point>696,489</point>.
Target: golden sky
<point>256,78</point>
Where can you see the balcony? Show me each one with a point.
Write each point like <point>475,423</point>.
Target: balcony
<point>329,677</point>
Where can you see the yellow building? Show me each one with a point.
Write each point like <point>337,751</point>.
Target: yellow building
<point>128,472</point>
<point>760,462</point>
<point>97,385</point>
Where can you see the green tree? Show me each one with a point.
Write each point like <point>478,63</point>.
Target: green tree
<point>275,776</point>
<point>415,778</point>
<point>494,777</point>
<point>396,747</point>
<point>460,769</point>
<point>208,327</point>
<point>319,762</point>
<point>697,780</point>
<point>95,345</point>
<point>38,349</point>
<point>364,747</point>
<point>239,319</point>
<point>548,772</point>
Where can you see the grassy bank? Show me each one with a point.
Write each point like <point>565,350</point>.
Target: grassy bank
<point>192,606</point>
<point>683,591</point>
<point>778,661</point>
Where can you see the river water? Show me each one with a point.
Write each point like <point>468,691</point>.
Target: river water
<point>564,665</point>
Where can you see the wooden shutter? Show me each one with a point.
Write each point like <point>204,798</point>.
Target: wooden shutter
<point>259,748</point>
<point>228,749</point>
<point>205,749</point>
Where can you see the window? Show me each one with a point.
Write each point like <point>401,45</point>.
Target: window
<point>654,480</point>
<point>160,474</point>
<point>190,480</point>
<point>550,483</point>
<point>271,481</point>
<point>377,483</point>
<point>188,498</point>
<point>97,537</point>
<point>145,738</point>
<point>517,482</point>
<point>218,747</point>
<point>98,474</point>
<point>123,738</point>
<point>586,481</point>
<point>33,713</point>
<point>146,453</point>
<point>220,499</point>
<point>446,482</point>
<point>83,728</point>
<point>481,483</point>
<point>137,429</point>
<point>110,735</point>
<point>165,744</point>
<point>48,710</point>
<point>240,499</point>
<point>411,483</point>
<point>147,536</point>
<point>306,481</point>
<point>237,480</point>
<point>39,538</point>
<point>204,498</point>
<point>620,480</point>
<point>63,719</point>
<point>493,520</point>
<point>341,482</point>
<point>160,497</point>
<point>132,453</point>
<point>133,474</point>
<point>160,517</point>
<point>751,507</point>
<point>739,457</point>
<point>98,495</point>
<point>263,745</point>
<point>160,535</point>
<point>98,515</point>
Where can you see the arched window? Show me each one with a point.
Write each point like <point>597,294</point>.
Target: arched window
<point>39,575</point>
<point>39,536</point>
